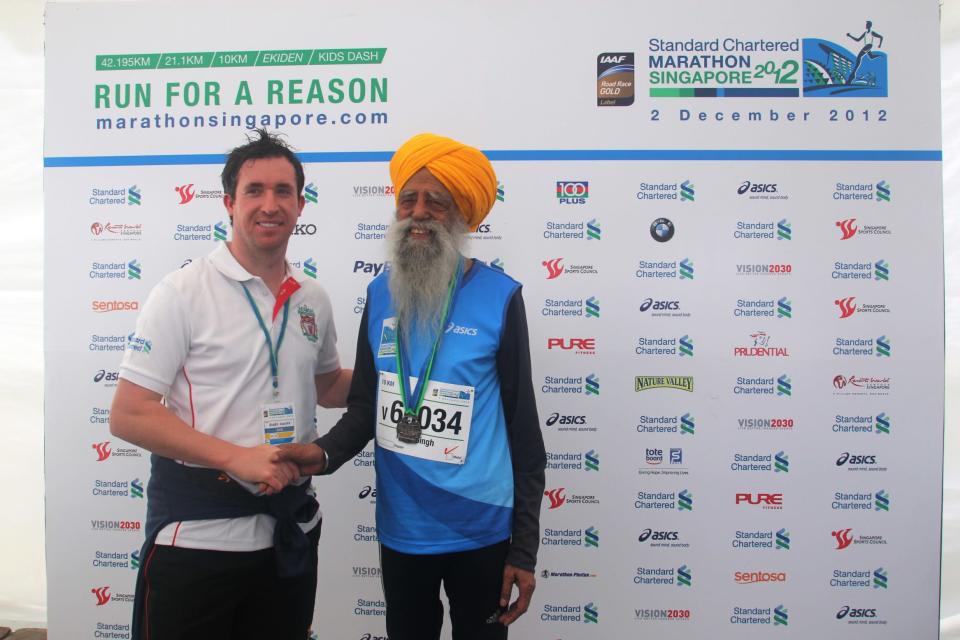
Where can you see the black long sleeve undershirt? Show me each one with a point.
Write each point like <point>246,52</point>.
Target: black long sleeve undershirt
<point>528,457</point>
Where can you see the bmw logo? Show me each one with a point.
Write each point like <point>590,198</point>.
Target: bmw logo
<point>661,230</point>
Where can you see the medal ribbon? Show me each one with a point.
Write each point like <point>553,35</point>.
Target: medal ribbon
<point>424,377</point>
<point>274,352</point>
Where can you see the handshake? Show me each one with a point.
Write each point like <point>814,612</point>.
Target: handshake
<point>272,468</point>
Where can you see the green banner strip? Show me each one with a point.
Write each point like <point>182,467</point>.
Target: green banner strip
<point>235,58</point>
<point>349,56</point>
<point>285,57</point>
<point>671,93</point>
<point>272,58</point>
<point>185,60</point>
<point>129,62</point>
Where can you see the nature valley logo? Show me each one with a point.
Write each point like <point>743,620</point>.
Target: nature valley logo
<point>681,383</point>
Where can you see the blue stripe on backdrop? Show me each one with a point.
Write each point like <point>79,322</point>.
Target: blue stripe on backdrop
<point>527,155</point>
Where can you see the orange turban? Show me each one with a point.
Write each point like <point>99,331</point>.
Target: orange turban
<point>463,170</point>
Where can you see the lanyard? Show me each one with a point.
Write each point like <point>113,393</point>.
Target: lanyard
<point>424,376</point>
<point>274,353</point>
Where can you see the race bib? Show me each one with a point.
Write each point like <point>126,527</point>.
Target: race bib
<point>445,416</point>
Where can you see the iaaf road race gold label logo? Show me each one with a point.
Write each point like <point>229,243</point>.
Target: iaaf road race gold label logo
<point>615,79</point>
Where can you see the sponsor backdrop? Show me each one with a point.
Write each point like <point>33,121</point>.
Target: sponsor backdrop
<point>729,233</point>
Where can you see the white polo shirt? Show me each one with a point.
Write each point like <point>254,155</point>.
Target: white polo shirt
<point>199,344</point>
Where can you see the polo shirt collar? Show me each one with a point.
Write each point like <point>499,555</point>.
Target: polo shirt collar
<point>227,264</point>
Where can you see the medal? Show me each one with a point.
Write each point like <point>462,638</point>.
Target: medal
<point>409,426</point>
<point>409,429</point>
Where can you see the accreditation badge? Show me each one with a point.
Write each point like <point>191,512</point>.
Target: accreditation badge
<point>444,416</point>
<point>279,422</point>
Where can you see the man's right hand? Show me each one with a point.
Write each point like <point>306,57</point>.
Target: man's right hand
<point>309,457</point>
<point>262,464</point>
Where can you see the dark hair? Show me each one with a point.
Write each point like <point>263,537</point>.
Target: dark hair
<point>268,145</point>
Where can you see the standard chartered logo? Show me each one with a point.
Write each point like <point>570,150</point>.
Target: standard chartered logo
<point>134,270</point>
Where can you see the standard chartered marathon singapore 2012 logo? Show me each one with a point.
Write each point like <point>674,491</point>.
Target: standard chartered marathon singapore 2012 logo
<point>852,63</point>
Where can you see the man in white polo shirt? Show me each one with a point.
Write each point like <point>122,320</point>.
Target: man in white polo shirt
<point>230,357</point>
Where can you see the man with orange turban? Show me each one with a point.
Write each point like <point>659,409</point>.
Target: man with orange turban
<point>442,382</point>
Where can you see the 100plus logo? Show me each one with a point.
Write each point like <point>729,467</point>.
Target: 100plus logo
<point>573,192</point>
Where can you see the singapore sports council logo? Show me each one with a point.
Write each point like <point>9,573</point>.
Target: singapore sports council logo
<point>557,499</point>
<point>186,193</point>
<point>102,595</point>
<point>843,538</point>
<point>830,69</point>
<point>554,268</point>
<point>103,450</point>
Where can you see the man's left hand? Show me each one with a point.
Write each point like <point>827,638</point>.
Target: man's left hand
<point>526,582</point>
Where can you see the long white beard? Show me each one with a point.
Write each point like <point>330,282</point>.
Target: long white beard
<point>420,271</point>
